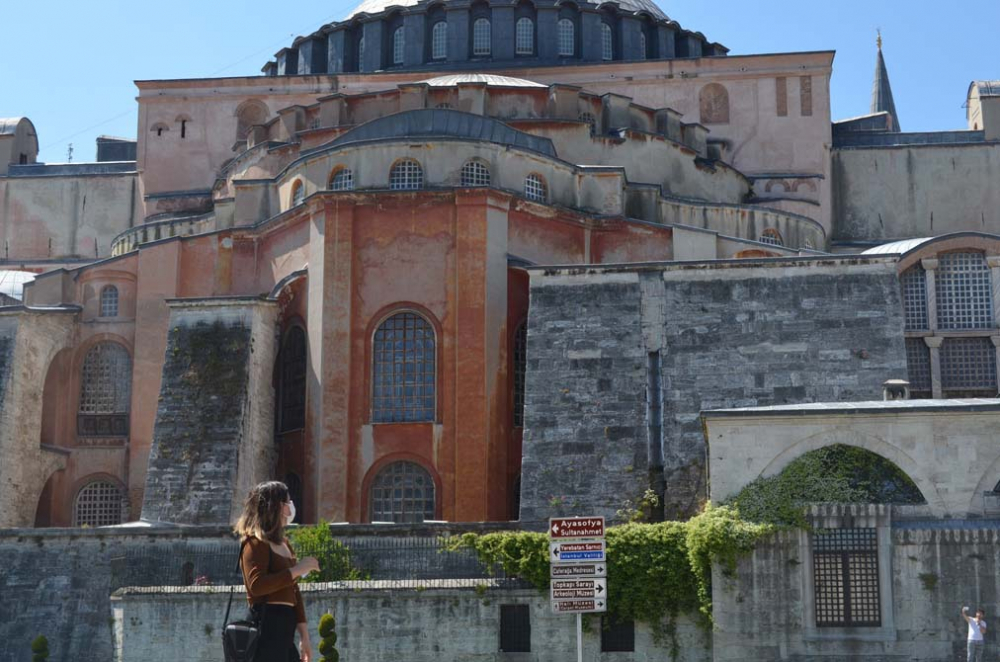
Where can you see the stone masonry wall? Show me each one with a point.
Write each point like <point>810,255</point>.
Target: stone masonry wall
<point>728,335</point>
<point>208,444</point>
<point>422,622</point>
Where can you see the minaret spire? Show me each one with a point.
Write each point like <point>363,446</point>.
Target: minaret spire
<point>882,90</point>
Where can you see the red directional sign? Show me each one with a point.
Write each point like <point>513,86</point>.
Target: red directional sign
<point>564,528</point>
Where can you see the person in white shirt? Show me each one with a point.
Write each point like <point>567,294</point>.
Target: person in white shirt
<point>977,628</point>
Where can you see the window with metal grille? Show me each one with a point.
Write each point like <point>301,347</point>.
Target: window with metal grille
<point>406,175</point>
<point>964,300</point>
<point>591,122</point>
<point>914,283</point>
<point>402,492</point>
<point>439,40</point>
<point>607,42</point>
<point>342,180</point>
<point>292,388</point>
<point>845,567</point>
<point>515,629</point>
<point>298,193</point>
<point>534,188</point>
<point>404,370</point>
<point>771,236</point>
<point>642,46</point>
<point>100,503</point>
<point>969,366</point>
<point>617,636</point>
<point>361,53</point>
<point>294,485</point>
<point>105,392</point>
<point>481,36</point>
<point>109,301</point>
<point>398,45</point>
<point>475,173</point>
<point>566,35</point>
<point>520,365</point>
<point>524,39</point>
<point>918,365</point>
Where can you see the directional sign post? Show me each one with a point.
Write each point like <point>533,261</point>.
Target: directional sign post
<point>578,569</point>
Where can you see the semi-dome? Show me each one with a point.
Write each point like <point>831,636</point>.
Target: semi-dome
<point>485,79</point>
<point>415,35</point>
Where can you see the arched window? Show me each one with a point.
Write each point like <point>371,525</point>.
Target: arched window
<point>439,40</point>
<point>109,301</point>
<point>520,365</point>
<point>771,236</point>
<point>914,282</point>
<point>481,36</point>
<point>534,188</point>
<point>591,122</point>
<point>403,375</point>
<point>298,193</point>
<point>713,101</point>
<point>342,180</point>
<point>566,36</point>
<point>100,503</point>
<point>105,391</point>
<point>964,299</point>
<point>642,46</point>
<point>361,53</point>
<point>607,42</point>
<point>406,175</point>
<point>524,41</point>
<point>292,381</point>
<point>402,492</point>
<point>475,173</point>
<point>249,114</point>
<point>160,128</point>
<point>398,45</point>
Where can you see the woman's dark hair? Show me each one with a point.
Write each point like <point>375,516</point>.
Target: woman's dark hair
<point>262,516</point>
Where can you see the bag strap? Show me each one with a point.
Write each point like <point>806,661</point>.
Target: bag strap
<point>232,589</point>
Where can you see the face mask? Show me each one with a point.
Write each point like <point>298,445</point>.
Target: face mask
<point>291,515</point>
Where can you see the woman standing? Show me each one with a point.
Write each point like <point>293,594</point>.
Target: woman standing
<point>269,573</point>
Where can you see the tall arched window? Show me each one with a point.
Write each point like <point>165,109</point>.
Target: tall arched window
<point>105,391</point>
<point>607,42</point>
<point>475,173</point>
<point>404,370</point>
<point>439,40</point>
<point>771,236</point>
<point>398,45</point>
<point>406,175</point>
<point>292,381</point>
<point>298,193</point>
<point>642,46</point>
<point>566,36</point>
<point>100,503</point>
<point>481,37</point>
<point>249,114</point>
<point>524,40</point>
<point>713,102</point>
<point>109,301</point>
<point>914,282</point>
<point>361,53</point>
<point>402,492</point>
<point>520,365</point>
<point>964,298</point>
<point>534,188</point>
<point>342,180</point>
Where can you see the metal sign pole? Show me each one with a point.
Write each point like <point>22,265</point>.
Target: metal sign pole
<point>579,638</point>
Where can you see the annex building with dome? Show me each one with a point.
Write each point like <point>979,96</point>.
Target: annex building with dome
<point>454,262</point>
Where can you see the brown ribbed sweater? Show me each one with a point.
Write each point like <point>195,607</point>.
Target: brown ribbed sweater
<point>268,576</point>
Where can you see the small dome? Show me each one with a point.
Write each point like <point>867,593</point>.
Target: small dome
<point>12,283</point>
<point>492,81</point>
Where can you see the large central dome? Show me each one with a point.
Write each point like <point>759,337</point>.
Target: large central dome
<point>428,35</point>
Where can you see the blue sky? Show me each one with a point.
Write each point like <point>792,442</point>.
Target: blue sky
<point>69,66</point>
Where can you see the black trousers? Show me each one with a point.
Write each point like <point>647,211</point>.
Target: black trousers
<point>277,634</point>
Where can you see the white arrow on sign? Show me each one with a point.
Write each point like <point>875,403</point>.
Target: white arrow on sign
<point>579,606</point>
<point>577,552</point>
<point>578,589</point>
<point>569,570</point>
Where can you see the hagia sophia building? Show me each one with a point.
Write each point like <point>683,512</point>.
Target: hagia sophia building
<point>324,273</point>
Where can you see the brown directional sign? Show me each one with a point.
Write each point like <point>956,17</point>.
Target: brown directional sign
<point>567,528</point>
<point>579,606</point>
<point>560,571</point>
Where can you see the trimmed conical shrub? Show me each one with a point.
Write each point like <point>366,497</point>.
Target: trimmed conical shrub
<point>328,638</point>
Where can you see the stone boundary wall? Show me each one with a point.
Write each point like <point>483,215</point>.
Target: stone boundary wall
<point>425,622</point>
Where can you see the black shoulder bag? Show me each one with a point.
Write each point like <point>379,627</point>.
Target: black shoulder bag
<point>239,638</point>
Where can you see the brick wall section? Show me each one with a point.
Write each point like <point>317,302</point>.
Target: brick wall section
<point>735,335</point>
<point>584,448</point>
<point>199,423</point>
